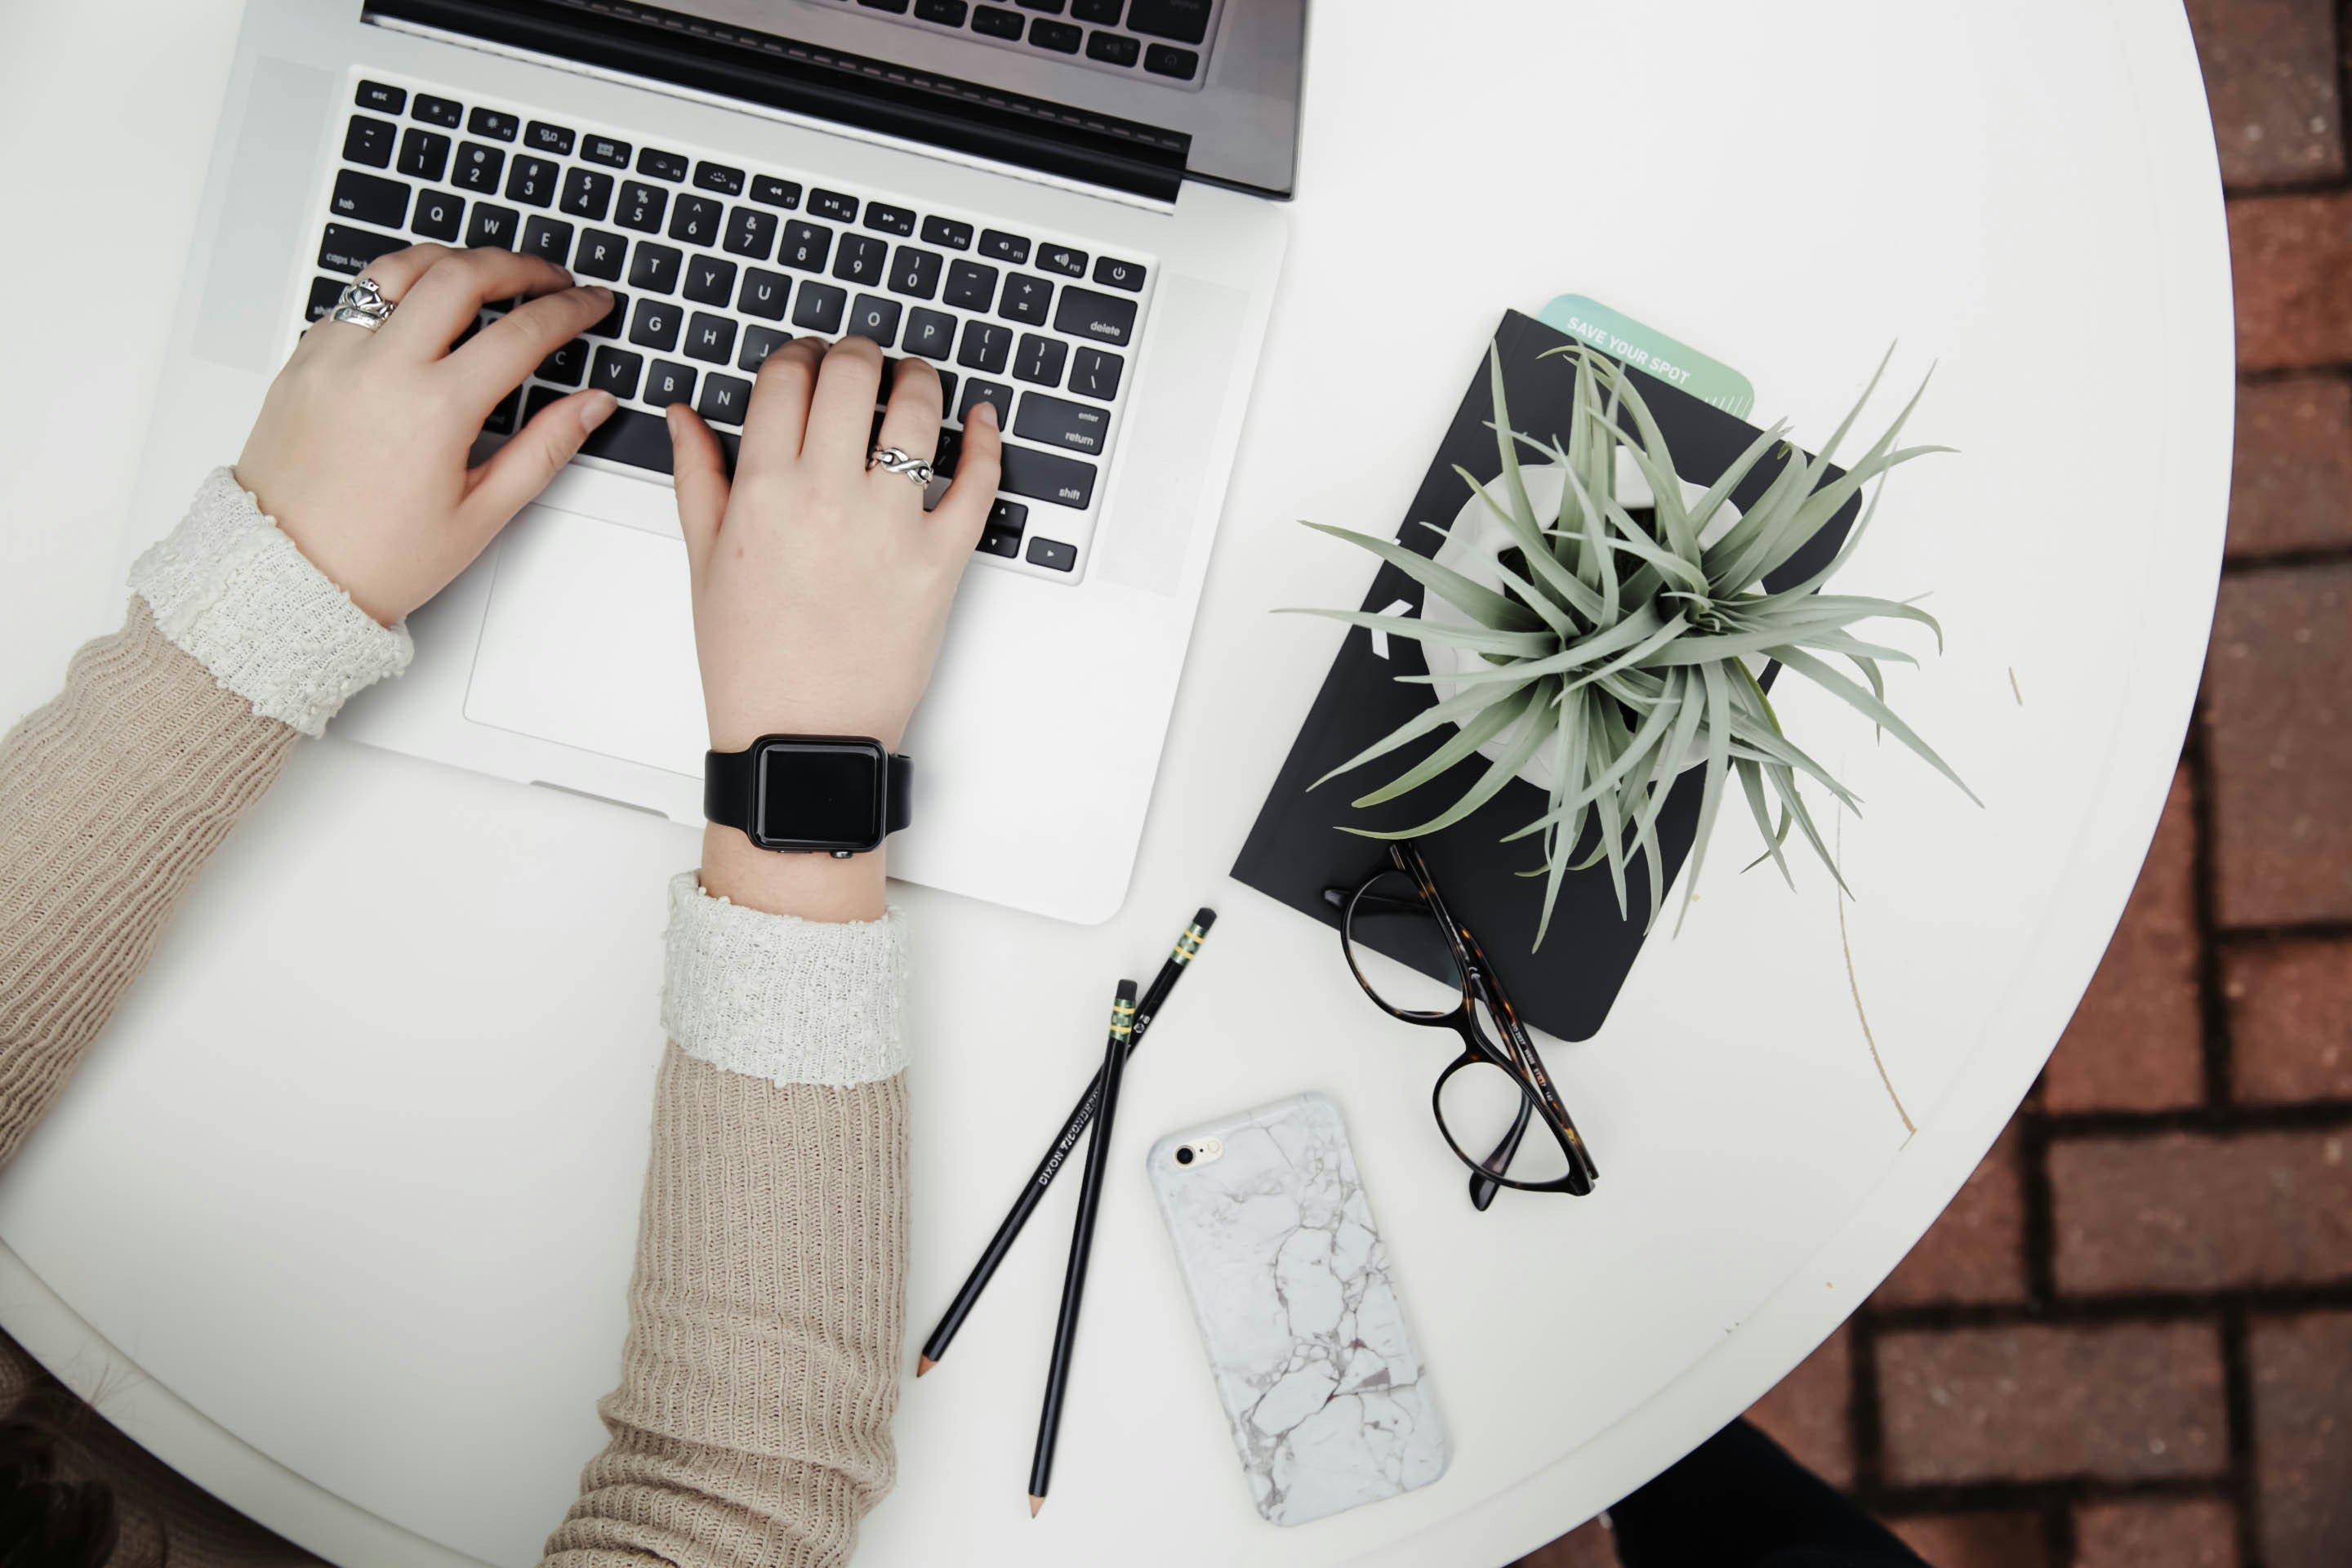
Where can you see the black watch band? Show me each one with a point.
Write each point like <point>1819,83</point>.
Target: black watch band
<point>731,794</point>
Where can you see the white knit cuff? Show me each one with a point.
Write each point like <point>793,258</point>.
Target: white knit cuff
<point>788,1000</point>
<point>232,592</point>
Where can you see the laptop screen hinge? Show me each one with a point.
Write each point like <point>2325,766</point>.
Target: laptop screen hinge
<point>869,97</point>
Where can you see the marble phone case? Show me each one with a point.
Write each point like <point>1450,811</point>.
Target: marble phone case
<point>1290,1285</point>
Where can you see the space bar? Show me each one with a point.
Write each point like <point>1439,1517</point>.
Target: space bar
<point>642,441</point>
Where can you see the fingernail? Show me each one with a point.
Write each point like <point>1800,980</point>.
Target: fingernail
<point>595,408</point>
<point>985,412</point>
<point>669,418</point>
<point>600,289</point>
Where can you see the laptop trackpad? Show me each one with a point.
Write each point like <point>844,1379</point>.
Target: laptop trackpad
<point>589,641</point>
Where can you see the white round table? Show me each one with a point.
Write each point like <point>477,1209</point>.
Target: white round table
<point>337,1219</point>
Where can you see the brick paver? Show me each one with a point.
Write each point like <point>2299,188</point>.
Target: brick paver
<point>2269,78</point>
<point>1976,1252</point>
<point>2137,1042</point>
<point>1978,1540</point>
<point>2292,259</point>
<point>2290,1019</point>
<point>2156,1533</point>
<point>2196,1211</point>
<point>2303,1438</point>
<point>1811,1413</point>
<point>2291,484</point>
<point>2278,726</point>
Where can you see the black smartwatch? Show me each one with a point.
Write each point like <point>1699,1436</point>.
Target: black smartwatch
<point>820,794</point>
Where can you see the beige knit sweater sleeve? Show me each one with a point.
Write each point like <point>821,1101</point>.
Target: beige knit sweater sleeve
<point>752,1423</point>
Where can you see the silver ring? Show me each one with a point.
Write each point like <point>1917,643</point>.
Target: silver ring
<point>892,460</point>
<point>363,304</point>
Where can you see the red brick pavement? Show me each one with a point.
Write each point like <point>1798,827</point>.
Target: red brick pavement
<point>2129,1342</point>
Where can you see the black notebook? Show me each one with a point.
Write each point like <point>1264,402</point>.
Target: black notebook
<point>1296,849</point>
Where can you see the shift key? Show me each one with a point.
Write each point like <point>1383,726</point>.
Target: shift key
<point>1057,422</point>
<point>1047,475</point>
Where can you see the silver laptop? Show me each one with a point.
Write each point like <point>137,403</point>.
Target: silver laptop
<point>1071,207</point>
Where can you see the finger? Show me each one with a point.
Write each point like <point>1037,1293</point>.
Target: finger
<point>911,423</point>
<point>962,512</point>
<point>394,275</point>
<point>452,292</point>
<point>700,467</point>
<point>535,454</point>
<point>498,358</point>
<point>841,409</point>
<point>778,418</point>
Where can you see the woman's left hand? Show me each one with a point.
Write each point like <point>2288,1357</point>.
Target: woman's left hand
<point>361,450</point>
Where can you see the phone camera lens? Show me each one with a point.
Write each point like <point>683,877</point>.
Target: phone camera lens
<point>1184,1155</point>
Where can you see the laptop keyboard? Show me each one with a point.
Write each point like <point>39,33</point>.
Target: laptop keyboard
<point>1151,40</point>
<point>715,261</point>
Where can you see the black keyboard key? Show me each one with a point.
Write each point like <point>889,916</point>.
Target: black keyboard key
<point>1040,360</point>
<point>971,285</point>
<point>884,219</point>
<point>325,292</point>
<point>352,249</point>
<point>710,337</point>
<point>501,421</point>
<point>615,322</point>
<point>986,346</point>
<point>930,333</point>
<point>818,309</point>
<point>369,141</point>
<point>669,382</point>
<point>915,272</point>
<point>946,388</point>
<point>1104,318</point>
<point>439,215</point>
<point>661,166</point>
<point>555,140</point>
<point>805,246</point>
<point>655,325</point>
<point>1002,536</point>
<point>383,100</point>
<point>1062,259</point>
<point>1051,7</point>
<point>1057,422</point>
<point>1002,246</point>
<point>709,280</point>
<point>1118,274</point>
<point>764,293</point>
<point>1047,475</point>
<point>727,182</point>
<point>946,232</point>
<point>478,168</point>
<point>600,256</point>
<point>996,22</point>
<point>874,317</point>
<point>638,439</point>
<point>1052,554</point>
<point>490,123</point>
<point>424,155</point>
<point>770,191</point>
<point>492,229</point>
<point>604,150</point>
<point>656,267</point>
<point>751,234</point>
<point>833,205</point>
<point>370,198</point>
<point>724,399</point>
<point>895,7</point>
<point>1113,48</point>
<point>860,259</point>
<point>946,13</point>
<point>696,220</point>
<point>567,364</point>
<point>1060,36</point>
<point>1094,373</point>
<point>641,207</point>
<point>442,112</point>
<point>547,239</point>
<point>587,193</point>
<point>1166,59</point>
<point>616,372</point>
<point>1101,12</point>
<point>1186,21</point>
<point>1027,299</point>
<point>979,391</point>
<point>758,342</point>
<point>532,181</point>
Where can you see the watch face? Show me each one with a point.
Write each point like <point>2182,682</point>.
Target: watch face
<point>820,794</point>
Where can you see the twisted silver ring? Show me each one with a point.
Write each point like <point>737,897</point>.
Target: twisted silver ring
<point>363,304</point>
<point>892,459</point>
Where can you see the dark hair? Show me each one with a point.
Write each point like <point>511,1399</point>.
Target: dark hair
<point>45,1520</point>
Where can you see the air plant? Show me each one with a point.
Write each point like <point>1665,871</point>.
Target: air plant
<point>1620,648</point>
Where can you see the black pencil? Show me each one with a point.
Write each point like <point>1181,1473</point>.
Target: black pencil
<point>1082,1242</point>
<point>1074,1127</point>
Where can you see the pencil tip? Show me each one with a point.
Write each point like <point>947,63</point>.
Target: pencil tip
<point>923,1364</point>
<point>1035,1504</point>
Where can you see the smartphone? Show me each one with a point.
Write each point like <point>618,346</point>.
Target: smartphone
<point>1298,1309</point>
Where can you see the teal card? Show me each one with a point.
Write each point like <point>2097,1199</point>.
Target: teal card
<point>1647,349</point>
